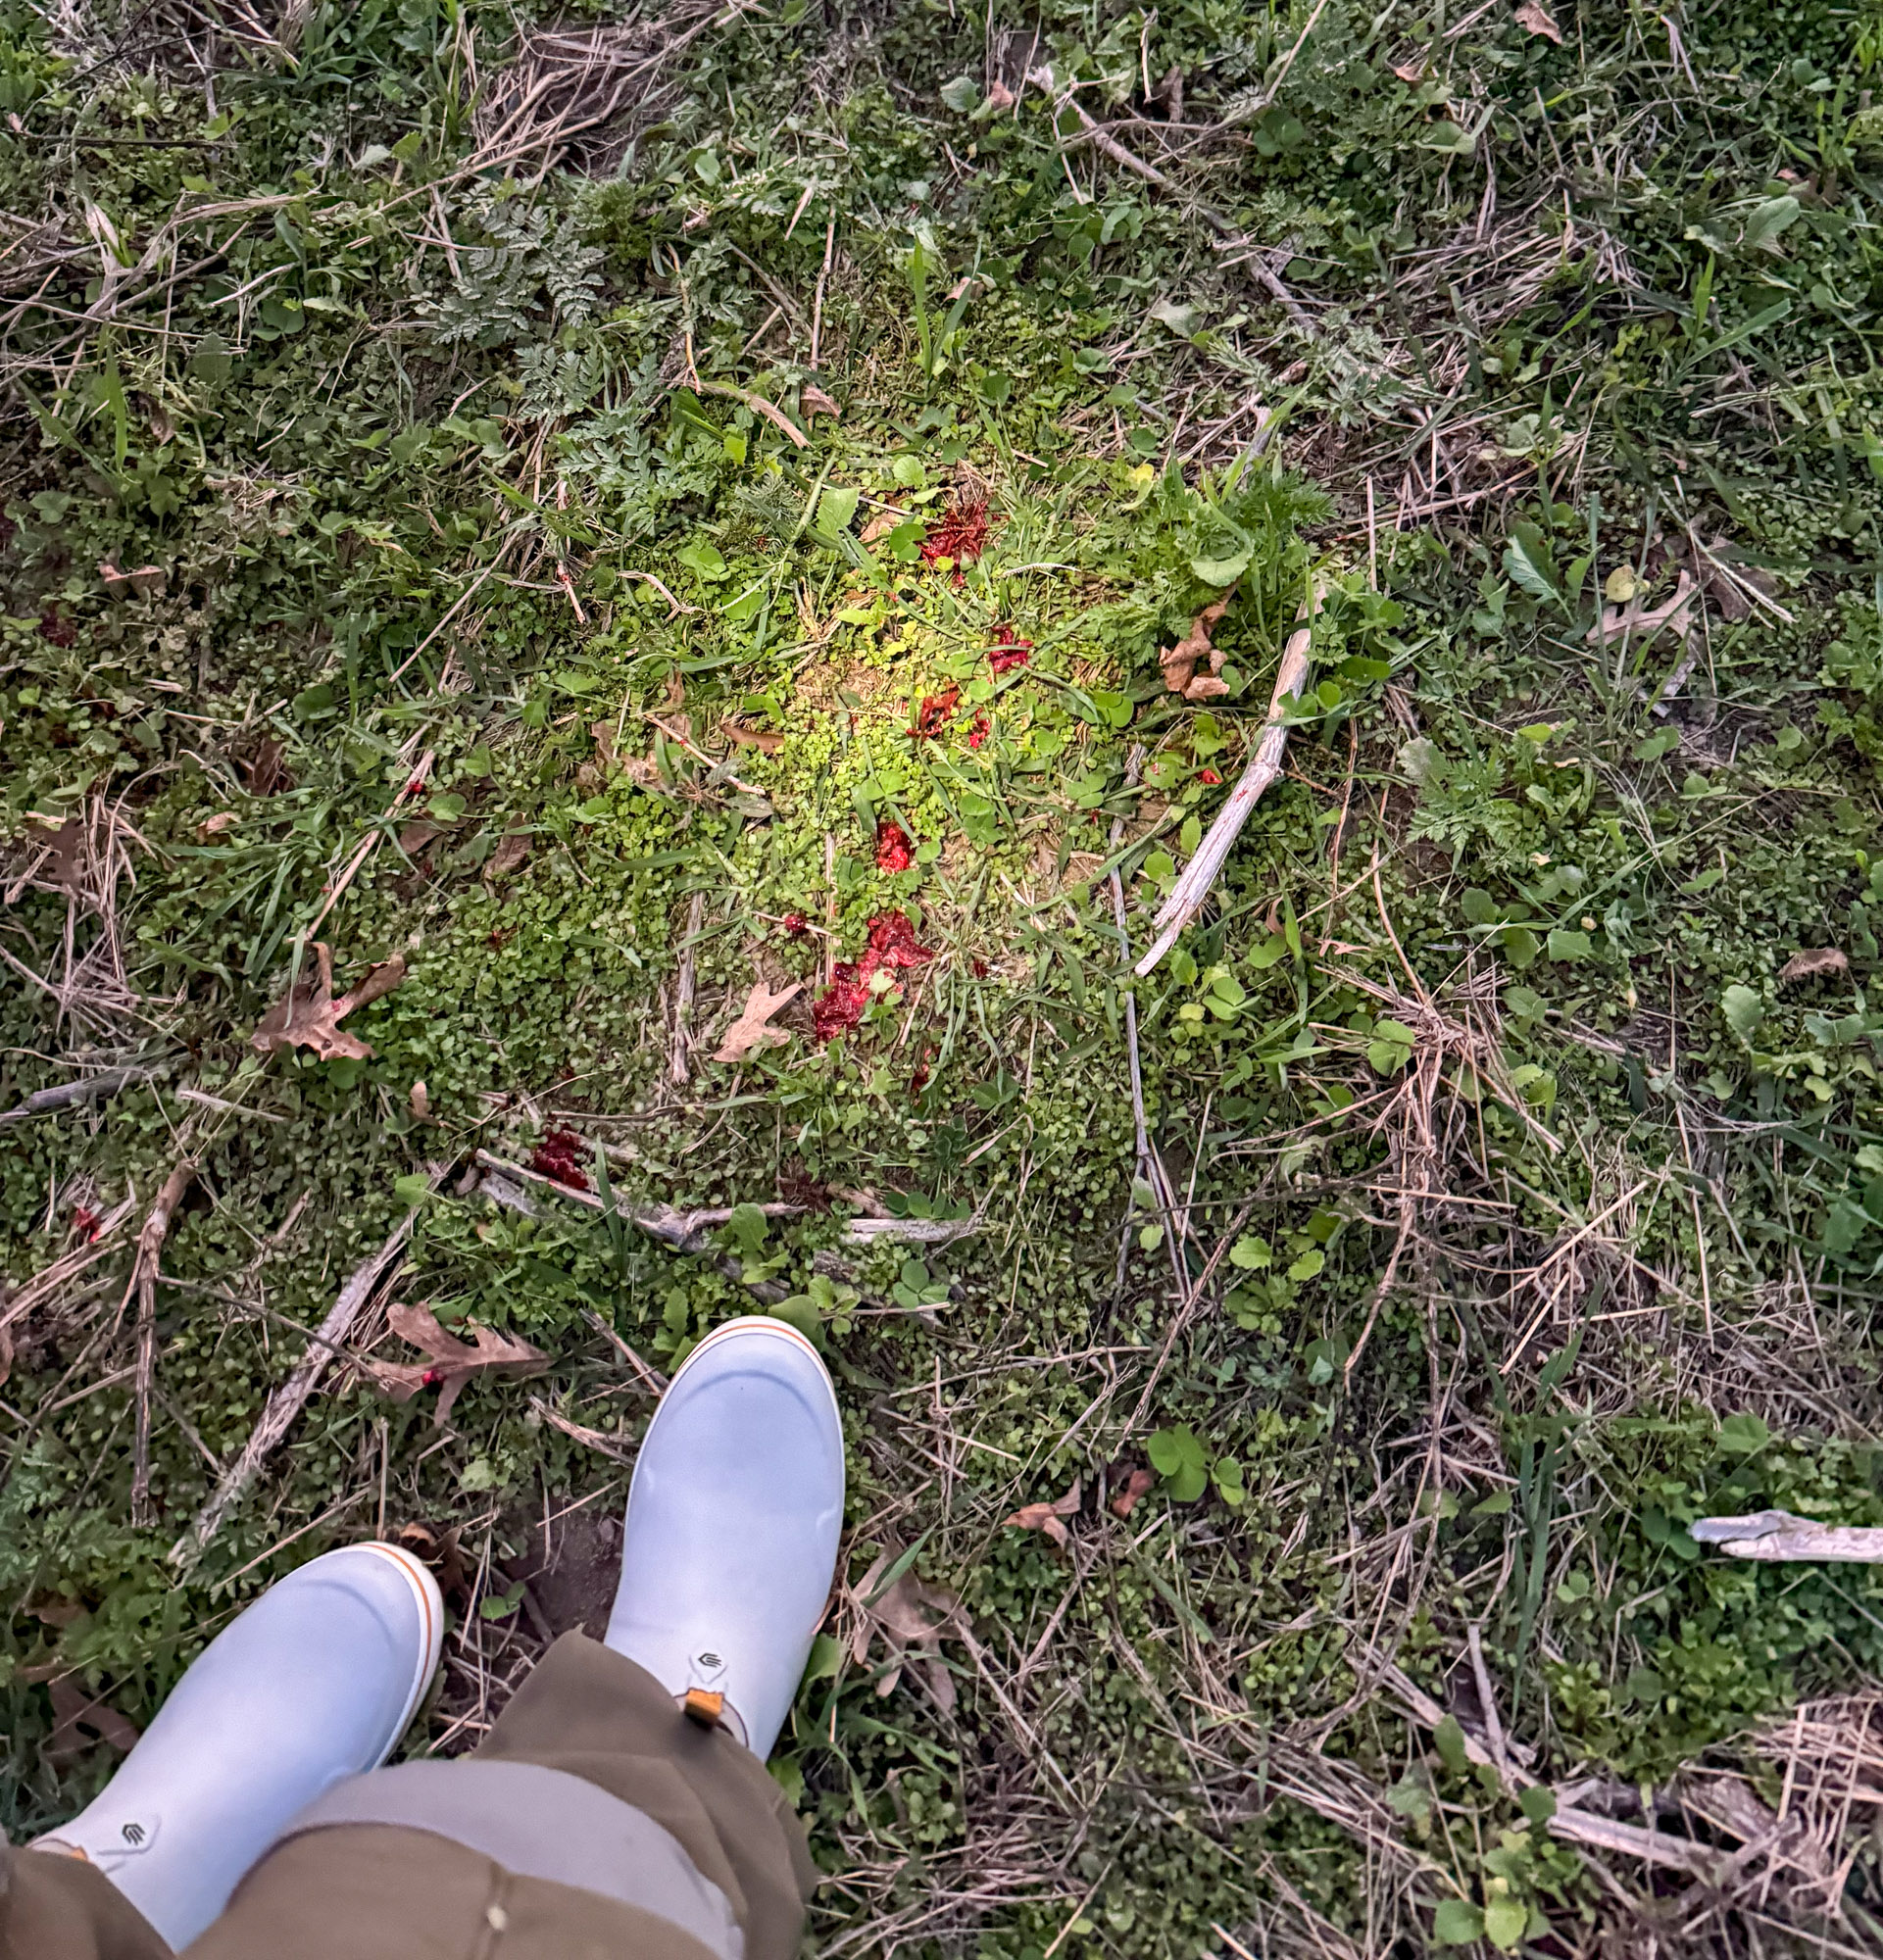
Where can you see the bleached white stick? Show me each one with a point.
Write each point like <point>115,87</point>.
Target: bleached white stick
<point>1265,768</point>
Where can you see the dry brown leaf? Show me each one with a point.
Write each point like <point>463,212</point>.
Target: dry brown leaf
<point>752,1030</point>
<point>910,1618</point>
<point>603,734</point>
<point>452,1362</point>
<point>1409,73</point>
<point>675,692</point>
<point>509,854</point>
<point>75,1712</point>
<point>1138,1484</point>
<point>816,401</point>
<point>1047,1518</point>
<point>1000,96</point>
<point>1534,17</point>
<point>441,1551</point>
<point>212,826</point>
<point>1640,621</point>
<point>416,837</point>
<point>881,524</point>
<point>767,741</point>
<point>1179,662</point>
<point>147,581</point>
<point>418,1098</point>
<point>309,1016</point>
<point>1814,962</point>
<point>264,767</point>
<point>63,845</point>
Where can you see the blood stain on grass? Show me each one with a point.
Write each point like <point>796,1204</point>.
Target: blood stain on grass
<point>893,852</point>
<point>1008,650</point>
<point>932,713</point>
<point>890,948</point>
<point>961,534</point>
<point>559,1156</point>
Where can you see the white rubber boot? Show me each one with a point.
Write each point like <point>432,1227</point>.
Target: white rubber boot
<point>315,1681</point>
<point>733,1518</point>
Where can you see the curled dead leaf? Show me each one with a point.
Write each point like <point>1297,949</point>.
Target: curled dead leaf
<point>213,827</point>
<point>420,1099</point>
<point>308,1015</point>
<point>769,741</point>
<point>1535,19</point>
<point>1138,1484</point>
<point>752,1029</point>
<point>146,582</point>
<point>814,402</point>
<point>452,1362</point>
<point>1179,662</point>
<point>603,734</point>
<point>1814,963</point>
<point>440,1551</point>
<point>1047,1518</point>
<point>910,1618</point>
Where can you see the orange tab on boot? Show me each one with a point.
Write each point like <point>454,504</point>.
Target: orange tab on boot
<point>704,1707</point>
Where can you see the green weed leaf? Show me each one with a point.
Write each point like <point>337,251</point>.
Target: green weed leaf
<point>1457,1923</point>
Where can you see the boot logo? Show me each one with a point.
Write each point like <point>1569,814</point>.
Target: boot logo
<point>710,1662</point>
<point>133,1835</point>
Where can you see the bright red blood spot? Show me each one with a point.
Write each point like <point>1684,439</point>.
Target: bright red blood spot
<point>980,969</point>
<point>890,947</point>
<point>796,924</point>
<point>932,711</point>
<point>1208,776</point>
<point>978,734</point>
<point>892,847</point>
<point>431,1378</point>
<point>919,1081</point>
<point>1008,650</point>
<point>85,1222</point>
<point>416,787</point>
<point>559,1156</point>
<point>61,628</point>
<point>961,532</point>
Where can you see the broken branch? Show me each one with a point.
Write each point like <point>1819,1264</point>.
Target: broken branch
<point>1265,768</point>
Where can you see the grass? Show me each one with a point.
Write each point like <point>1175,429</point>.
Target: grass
<point>507,495</point>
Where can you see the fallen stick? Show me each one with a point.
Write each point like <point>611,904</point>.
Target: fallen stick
<point>1200,874</point>
<point>143,1283</point>
<point>1576,1827</point>
<point>1779,1537</point>
<point>589,1438</point>
<point>685,1231</point>
<point>83,1089</point>
<point>758,407</point>
<point>287,1401</point>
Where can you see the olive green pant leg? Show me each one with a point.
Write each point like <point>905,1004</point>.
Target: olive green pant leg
<point>54,1907</point>
<point>381,1892</point>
